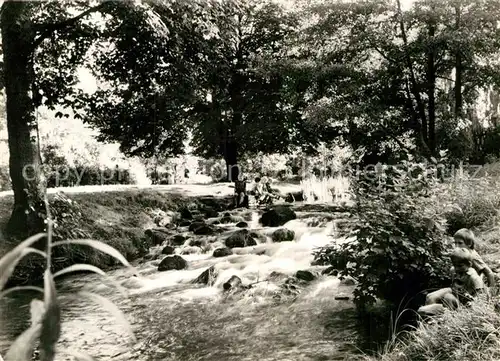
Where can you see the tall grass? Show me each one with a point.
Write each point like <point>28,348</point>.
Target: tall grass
<point>466,334</point>
<point>46,315</point>
<point>326,189</point>
<point>470,202</point>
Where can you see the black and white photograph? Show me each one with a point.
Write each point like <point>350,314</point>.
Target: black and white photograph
<point>249,180</point>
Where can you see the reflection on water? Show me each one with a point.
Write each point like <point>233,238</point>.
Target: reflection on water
<point>176,320</point>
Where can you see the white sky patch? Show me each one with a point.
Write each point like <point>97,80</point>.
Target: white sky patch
<point>87,81</point>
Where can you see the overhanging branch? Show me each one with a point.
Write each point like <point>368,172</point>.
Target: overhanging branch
<point>47,30</point>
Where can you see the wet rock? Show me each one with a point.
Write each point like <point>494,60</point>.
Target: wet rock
<point>198,242</point>
<point>231,219</point>
<point>222,252</point>
<point>240,238</point>
<point>172,263</point>
<point>209,212</point>
<point>277,216</point>
<point>275,276</point>
<point>304,275</point>
<point>259,237</point>
<point>185,213</point>
<point>330,271</point>
<point>184,223</point>
<point>195,225</point>
<point>191,250</point>
<point>207,277</point>
<point>283,235</point>
<point>225,220</point>
<point>342,297</point>
<point>232,284</point>
<point>201,228</point>
<point>157,236</point>
<point>204,230</point>
<point>168,250</point>
<point>242,224</point>
<point>177,240</point>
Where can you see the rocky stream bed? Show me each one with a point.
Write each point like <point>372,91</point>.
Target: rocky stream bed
<point>216,285</point>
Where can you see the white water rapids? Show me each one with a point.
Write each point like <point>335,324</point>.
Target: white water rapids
<point>176,320</point>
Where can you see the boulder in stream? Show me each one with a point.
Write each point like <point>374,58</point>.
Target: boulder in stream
<point>185,213</point>
<point>233,283</point>
<point>191,250</point>
<point>283,235</point>
<point>242,224</point>
<point>305,275</point>
<point>209,212</point>
<point>201,228</point>
<point>240,238</point>
<point>172,263</point>
<point>207,277</point>
<point>168,250</point>
<point>177,240</point>
<point>277,216</point>
<point>157,235</point>
<point>198,242</point>
<point>222,252</point>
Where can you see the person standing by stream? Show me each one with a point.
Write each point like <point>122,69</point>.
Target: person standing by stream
<point>240,190</point>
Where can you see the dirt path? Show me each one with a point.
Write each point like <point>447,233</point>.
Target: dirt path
<point>217,189</point>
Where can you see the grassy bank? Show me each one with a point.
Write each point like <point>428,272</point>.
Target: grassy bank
<point>469,333</point>
<point>118,218</point>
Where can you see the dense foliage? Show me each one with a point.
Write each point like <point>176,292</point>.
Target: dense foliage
<point>398,246</point>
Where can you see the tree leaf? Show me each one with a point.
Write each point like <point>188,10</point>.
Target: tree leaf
<point>20,288</point>
<point>22,348</point>
<point>79,267</point>
<point>111,308</point>
<point>51,323</point>
<point>90,268</point>
<point>12,258</point>
<point>100,246</point>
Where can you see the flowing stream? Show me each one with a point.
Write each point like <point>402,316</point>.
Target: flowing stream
<point>174,319</point>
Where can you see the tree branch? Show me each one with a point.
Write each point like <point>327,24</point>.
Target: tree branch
<point>47,30</point>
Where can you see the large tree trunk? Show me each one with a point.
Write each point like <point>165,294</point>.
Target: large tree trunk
<point>236,101</point>
<point>431,89</point>
<point>458,69</point>
<point>231,158</point>
<point>27,181</point>
<point>414,85</point>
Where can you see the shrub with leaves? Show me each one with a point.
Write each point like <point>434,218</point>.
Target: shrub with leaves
<point>397,248</point>
<point>46,315</point>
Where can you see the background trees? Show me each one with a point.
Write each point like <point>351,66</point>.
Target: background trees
<point>243,77</point>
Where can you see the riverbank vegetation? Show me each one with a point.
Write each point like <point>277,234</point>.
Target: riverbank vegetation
<point>119,219</point>
<point>398,253</point>
<point>392,104</point>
